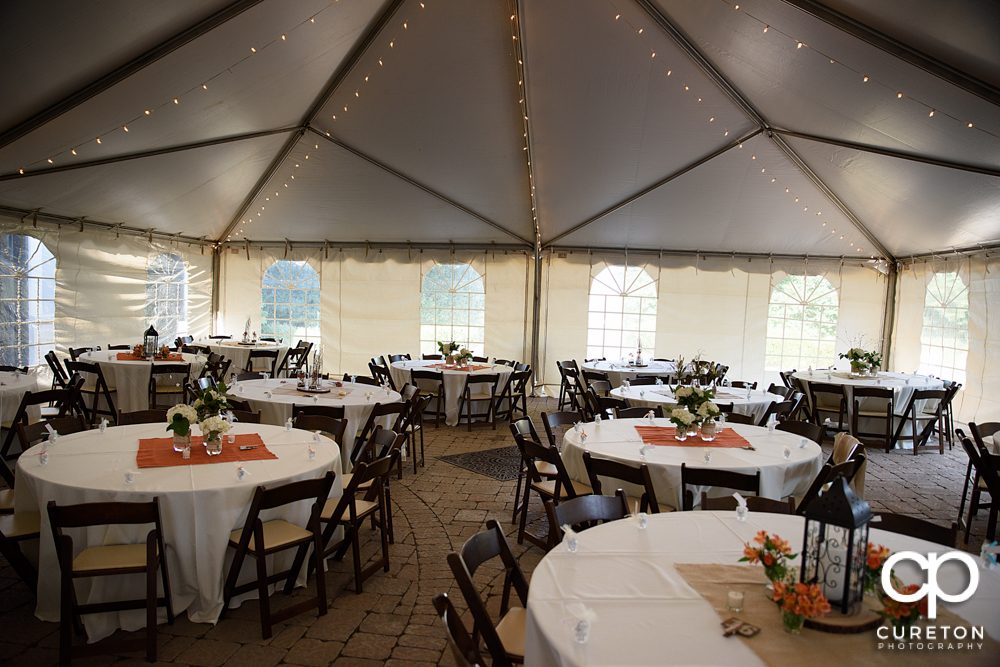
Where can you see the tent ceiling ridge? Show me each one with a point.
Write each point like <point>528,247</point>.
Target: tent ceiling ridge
<point>125,71</point>
<point>889,152</point>
<point>701,254</point>
<point>117,227</point>
<point>645,191</point>
<point>894,47</point>
<point>417,184</point>
<point>964,251</point>
<point>150,153</point>
<point>378,245</point>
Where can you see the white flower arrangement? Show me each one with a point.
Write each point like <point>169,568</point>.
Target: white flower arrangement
<point>214,426</point>
<point>708,410</point>
<point>185,411</point>
<point>683,392</point>
<point>681,417</point>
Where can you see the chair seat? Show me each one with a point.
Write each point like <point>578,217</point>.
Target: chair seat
<point>276,534</point>
<point>31,420</point>
<point>362,507</point>
<point>479,397</point>
<point>920,417</point>
<point>982,484</point>
<point>546,469</point>
<point>871,413</point>
<point>511,630</point>
<point>548,488</point>
<point>112,557</point>
<point>6,500</point>
<point>21,526</point>
<point>169,389</point>
<point>348,476</point>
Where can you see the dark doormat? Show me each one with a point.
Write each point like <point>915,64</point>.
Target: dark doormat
<point>502,463</point>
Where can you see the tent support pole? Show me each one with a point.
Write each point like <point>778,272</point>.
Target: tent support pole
<point>536,311</point>
<point>216,279</point>
<point>889,314</point>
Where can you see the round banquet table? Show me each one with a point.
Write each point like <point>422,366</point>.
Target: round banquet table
<point>199,506</point>
<point>278,409</point>
<point>12,389</point>
<point>454,382</point>
<point>650,396</point>
<point>620,370</point>
<point>239,353</point>
<point>647,613</point>
<point>131,378</point>
<point>902,384</point>
<point>618,440</point>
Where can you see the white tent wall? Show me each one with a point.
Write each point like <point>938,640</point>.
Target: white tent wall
<point>100,294</point>
<point>715,306</point>
<point>981,275</point>
<point>370,301</point>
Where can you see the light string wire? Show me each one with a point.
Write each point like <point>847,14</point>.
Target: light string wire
<point>389,47</point>
<point>663,60</point>
<point>128,127</point>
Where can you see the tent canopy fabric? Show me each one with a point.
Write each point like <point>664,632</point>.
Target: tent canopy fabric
<point>778,126</point>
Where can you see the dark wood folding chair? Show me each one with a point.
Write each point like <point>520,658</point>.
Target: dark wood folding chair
<point>608,404</point>
<point>504,639</point>
<point>431,383</point>
<point>740,384</point>
<point>259,539</point>
<point>781,390</point>
<point>873,403</point>
<point>329,426</point>
<point>379,411</point>
<point>142,417</point>
<point>643,381</point>
<point>584,512</point>
<point>111,561</point>
<point>987,466</point>
<point>364,498</point>
<point>393,358</point>
<point>382,375</point>
<point>491,381</point>
<point>75,352</point>
<point>414,425</point>
<point>754,504</point>
<point>827,474</point>
<point>568,386</point>
<point>637,477</point>
<point>638,413</point>
<point>828,399</point>
<point>15,529</point>
<point>948,409</point>
<point>59,376</point>
<point>268,359</point>
<point>922,423</point>
<point>553,423</point>
<point>526,428</point>
<point>168,380</point>
<point>737,418</point>
<point>67,400</point>
<point>464,650</point>
<point>727,479</point>
<point>556,490</point>
<point>919,528</point>
<point>515,393</point>
<point>96,389</point>
<point>331,411</point>
<point>249,375</point>
<point>432,357</point>
<point>781,410</point>
<point>246,416</point>
<point>804,429</point>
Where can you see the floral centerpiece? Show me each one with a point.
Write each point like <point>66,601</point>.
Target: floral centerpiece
<point>771,552</point>
<point>861,359</point>
<point>454,354</point>
<point>874,560</point>
<point>212,428</point>
<point>798,602</point>
<point>683,421</point>
<point>211,401</point>
<point>697,403</point>
<point>179,420</point>
<point>901,614</point>
<point>707,372</point>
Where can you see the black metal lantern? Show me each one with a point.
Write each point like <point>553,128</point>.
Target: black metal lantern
<point>150,342</point>
<point>835,545</point>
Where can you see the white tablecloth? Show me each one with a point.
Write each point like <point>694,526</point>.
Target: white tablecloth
<point>902,384</point>
<point>647,613</point>
<point>619,441</point>
<point>239,353</point>
<point>199,506</point>
<point>650,396</point>
<point>454,383</point>
<point>12,390</point>
<point>131,378</point>
<point>278,408</point>
<point>619,370</point>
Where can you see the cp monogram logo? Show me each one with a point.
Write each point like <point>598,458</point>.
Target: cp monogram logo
<point>931,588</point>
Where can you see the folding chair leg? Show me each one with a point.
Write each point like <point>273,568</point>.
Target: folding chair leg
<point>522,527</point>
<point>151,600</point>
<point>356,552</point>
<point>388,510</point>
<point>517,493</point>
<point>265,603</point>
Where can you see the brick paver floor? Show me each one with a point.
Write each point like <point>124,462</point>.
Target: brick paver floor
<point>393,622</point>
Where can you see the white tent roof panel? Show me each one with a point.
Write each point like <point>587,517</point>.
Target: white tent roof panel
<point>338,195</point>
<point>246,92</point>
<point>194,192</point>
<point>442,111</point>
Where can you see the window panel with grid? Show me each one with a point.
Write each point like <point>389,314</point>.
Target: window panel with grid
<point>622,313</point>
<point>452,308</point>
<point>27,300</point>
<point>944,339</point>
<point>801,324</point>
<point>290,303</point>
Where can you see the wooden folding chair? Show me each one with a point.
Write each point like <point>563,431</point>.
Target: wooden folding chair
<point>637,413</point>
<point>526,428</point>
<point>268,357</point>
<point>331,411</point>
<point>584,512</point>
<point>464,650</point>
<point>382,375</point>
<point>754,504</point>
<point>67,401</point>
<point>491,380</point>
<point>96,390</point>
<point>727,479</point>
<point>553,421</point>
<point>805,429</point>
<point>379,411</point>
<point>929,420</point>
<point>142,417</point>
<point>827,474</point>
<point>431,383</point>
<point>828,399</point>
<point>177,376</point>
<point>919,528</point>
<point>505,639</point>
<point>111,561</point>
<point>616,470</point>
<point>259,539</point>
<point>878,404</point>
<point>781,410</point>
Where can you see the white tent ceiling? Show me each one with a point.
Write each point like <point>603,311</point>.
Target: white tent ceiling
<point>627,124</point>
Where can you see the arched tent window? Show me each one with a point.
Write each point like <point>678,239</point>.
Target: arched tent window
<point>289,298</point>
<point>622,312</point>
<point>166,295</point>
<point>27,300</point>
<point>802,324</point>
<point>944,339</point>
<point>452,308</point>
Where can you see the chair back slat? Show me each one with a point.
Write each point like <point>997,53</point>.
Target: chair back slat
<point>713,477</point>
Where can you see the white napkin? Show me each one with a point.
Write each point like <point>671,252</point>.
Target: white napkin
<point>740,500</point>
<point>569,540</point>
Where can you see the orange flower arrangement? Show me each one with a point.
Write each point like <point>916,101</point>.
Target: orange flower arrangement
<point>802,599</point>
<point>902,614</point>
<point>772,552</point>
<point>874,560</point>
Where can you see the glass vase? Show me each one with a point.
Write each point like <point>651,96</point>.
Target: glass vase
<point>182,441</point>
<point>792,622</point>
<point>680,433</point>
<point>213,444</point>
<point>708,431</point>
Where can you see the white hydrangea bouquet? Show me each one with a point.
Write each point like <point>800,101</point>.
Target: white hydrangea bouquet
<point>213,427</point>
<point>179,419</point>
<point>697,402</point>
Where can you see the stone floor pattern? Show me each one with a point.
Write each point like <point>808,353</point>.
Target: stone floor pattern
<point>393,622</point>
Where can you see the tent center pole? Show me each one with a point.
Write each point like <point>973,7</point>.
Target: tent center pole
<point>889,314</point>
<point>536,313</point>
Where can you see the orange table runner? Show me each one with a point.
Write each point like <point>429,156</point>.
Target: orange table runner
<point>128,356</point>
<point>459,368</point>
<point>664,437</point>
<point>159,452</point>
